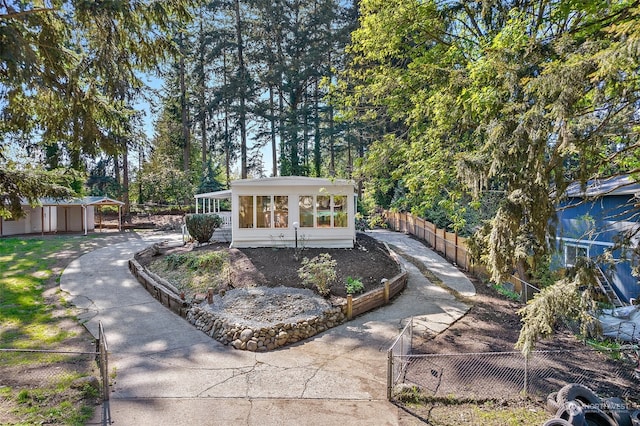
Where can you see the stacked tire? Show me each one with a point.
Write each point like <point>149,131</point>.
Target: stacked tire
<point>577,405</point>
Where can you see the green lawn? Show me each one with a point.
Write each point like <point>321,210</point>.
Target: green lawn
<point>25,270</point>
<point>36,388</point>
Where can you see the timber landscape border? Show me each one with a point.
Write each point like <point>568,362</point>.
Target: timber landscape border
<point>245,337</point>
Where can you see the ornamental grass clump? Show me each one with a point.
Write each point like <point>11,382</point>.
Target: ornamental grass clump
<point>202,226</point>
<point>319,272</point>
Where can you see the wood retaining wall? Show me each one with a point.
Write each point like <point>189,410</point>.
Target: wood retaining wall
<point>165,293</point>
<point>375,298</point>
<point>161,293</point>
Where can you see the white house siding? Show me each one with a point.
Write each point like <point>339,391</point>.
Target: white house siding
<point>285,236</point>
<point>49,218</point>
<point>71,218</point>
<point>35,220</point>
<point>19,226</point>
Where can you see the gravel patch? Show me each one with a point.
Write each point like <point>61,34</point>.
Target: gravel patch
<point>265,306</point>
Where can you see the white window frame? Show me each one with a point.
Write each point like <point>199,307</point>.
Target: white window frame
<point>571,262</point>
<point>332,211</point>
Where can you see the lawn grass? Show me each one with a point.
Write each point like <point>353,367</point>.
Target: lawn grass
<point>25,268</point>
<point>453,412</point>
<point>36,387</point>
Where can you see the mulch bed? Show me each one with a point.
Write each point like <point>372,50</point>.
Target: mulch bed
<point>368,261</point>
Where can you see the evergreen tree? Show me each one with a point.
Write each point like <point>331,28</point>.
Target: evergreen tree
<point>522,99</point>
<point>67,71</point>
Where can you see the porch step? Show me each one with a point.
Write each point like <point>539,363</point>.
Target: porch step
<point>222,235</point>
<point>607,288</point>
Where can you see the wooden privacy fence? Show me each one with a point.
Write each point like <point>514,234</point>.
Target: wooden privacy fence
<point>452,247</point>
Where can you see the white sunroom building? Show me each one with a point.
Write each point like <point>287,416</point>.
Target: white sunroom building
<point>286,211</point>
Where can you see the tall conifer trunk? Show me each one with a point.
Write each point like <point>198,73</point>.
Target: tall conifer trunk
<point>203,93</point>
<point>274,147</point>
<point>184,117</point>
<point>243,77</point>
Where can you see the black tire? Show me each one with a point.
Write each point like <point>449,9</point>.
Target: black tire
<point>596,417</point>
<point>577,392</point>
<point>552,403</point>
<point>616,409</point>
<point>556,422</point>
<point>572,412</point>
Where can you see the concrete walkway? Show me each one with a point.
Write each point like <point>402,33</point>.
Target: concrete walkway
<point>168,373</point>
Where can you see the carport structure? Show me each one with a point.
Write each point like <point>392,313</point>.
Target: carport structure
<point>51,215</point>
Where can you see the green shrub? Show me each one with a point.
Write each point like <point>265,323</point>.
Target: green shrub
<point>108,210</point>
<point>509,294</point>
<point>319,271</point>
<point>377,221</point>
<point>202,226</point>
<point>353,285</point>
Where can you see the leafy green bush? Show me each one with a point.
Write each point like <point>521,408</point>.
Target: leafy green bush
<point>353,285</point>
<point>319,271</point>
<point>509,294</point>
<point>202,226</point>
<point>109,210</point>
<point>377,221</point>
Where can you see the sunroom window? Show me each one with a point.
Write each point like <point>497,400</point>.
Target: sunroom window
<point>245,214</point>
<point>305,205</point>
<point>330,211</point>
<point>281,211</point>
<point>266,211</point>
<point>323,211</point>
<point>339,211</point>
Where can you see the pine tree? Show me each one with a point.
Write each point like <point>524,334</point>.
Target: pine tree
<point>65,69</point>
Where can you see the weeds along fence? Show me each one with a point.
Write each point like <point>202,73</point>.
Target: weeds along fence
<point>54,386</point>
<point>452,247</point>
<point>508,375</point>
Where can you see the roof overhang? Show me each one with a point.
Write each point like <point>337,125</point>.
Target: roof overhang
<point>278,181</point>
<point>84,201</point>
<point>216,195</point>
<point>292,181</point>
<point>618,185</point>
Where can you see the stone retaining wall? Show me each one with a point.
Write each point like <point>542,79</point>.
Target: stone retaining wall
<point>265,338</point>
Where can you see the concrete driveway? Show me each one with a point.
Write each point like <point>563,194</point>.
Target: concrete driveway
<point>168,373</point>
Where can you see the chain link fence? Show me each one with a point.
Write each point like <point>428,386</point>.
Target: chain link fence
<point>509,375</point>
<point>53,386</point>
<point>397,357</point>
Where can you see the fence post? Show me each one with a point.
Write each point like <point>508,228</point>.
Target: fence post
<point>444,235</point>
<point>386,290</point>
<point>389,372</point>
<point>104,373</point>
<point>349,306</point>
<point>455,257</point>
<point>415,225</point>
